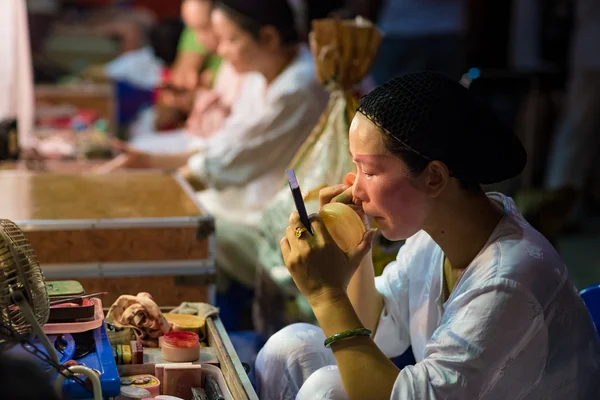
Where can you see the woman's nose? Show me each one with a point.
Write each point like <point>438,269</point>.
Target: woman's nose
<point>221,49</point>
<point>358,192</point>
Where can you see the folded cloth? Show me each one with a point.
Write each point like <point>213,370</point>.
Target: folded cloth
<point>203,310</point>
<point>142,315</point>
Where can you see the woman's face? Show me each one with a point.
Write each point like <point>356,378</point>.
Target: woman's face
<point>196,16</point>
<point>383,183</point>
<point>237,46</point>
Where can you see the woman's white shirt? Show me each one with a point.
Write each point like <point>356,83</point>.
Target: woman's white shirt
<point>514,327</point>
<point>244,163</point>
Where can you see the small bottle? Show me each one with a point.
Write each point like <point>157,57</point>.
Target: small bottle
<point>79,127</point>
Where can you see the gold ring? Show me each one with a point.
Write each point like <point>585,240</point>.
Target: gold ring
<point>299,231</point>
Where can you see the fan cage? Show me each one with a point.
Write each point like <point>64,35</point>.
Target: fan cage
<point>19,270</point>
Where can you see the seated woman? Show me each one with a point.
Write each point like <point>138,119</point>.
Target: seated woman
<point>217,86</point>
<point>242,165</point>
<point>481,296</point>
<point>195,69</point>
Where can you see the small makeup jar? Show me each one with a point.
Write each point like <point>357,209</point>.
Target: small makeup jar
<point>180,347</point>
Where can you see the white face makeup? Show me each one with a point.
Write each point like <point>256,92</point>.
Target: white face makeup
<point>383,183</point>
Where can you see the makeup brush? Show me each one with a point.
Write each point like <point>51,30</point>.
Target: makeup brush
<point>76,298</point>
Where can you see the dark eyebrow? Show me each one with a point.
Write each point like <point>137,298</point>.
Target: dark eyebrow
<point>365,159</point>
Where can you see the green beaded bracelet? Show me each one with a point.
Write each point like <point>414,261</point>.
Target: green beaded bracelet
<point>347,334</point>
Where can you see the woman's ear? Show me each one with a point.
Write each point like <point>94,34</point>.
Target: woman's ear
<point>270,37</point>
<point>436,177</point>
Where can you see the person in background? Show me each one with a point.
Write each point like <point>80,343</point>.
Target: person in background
<point>419,35</point>
<point>196,65</point>
<point>218,86</point>
<point>482,297</point>
<point>242,165</point>
<point>175,82</point>
<point>196,48</point>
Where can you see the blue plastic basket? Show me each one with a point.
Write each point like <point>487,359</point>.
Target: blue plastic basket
<point>591,298</point>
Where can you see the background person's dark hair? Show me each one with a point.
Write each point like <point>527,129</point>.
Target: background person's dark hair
<point>286,28</point>
<point>164,38</point>
<point>416,164</point>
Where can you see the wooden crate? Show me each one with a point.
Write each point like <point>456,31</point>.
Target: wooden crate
<point>93,96</point>
<point>220,352</point>
<point>229,362</point>
<point>124,233</point>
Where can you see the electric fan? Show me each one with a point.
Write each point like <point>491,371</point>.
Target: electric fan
<point>25,306</point>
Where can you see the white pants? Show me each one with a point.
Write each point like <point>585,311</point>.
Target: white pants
<point>295,365</point>
<point>578,137</point>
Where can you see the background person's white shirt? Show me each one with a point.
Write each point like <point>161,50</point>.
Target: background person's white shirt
<point>140,68</point>
<point>244,163</point>
<point>514,326</point>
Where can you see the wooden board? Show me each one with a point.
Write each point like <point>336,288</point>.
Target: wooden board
<point>229,362</point>
<point>168,291</point>
<point>45,196</point>
<point>118,245</point>
<point>115,218</point>
<point>60,166</point>
<point>124,233</point>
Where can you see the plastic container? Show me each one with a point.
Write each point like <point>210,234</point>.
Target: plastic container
<point>71,312</point>
<point>180,347</point>
<point>80,326</point>
<point>187,323</point>
<point>215,372</point>
<point>179,380</point>
<point>202,369</point>
<point>133,392</point>
<point>207,370</point>
<point>58,289</point>
<point>129,384</point>
<point>100,360</point>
